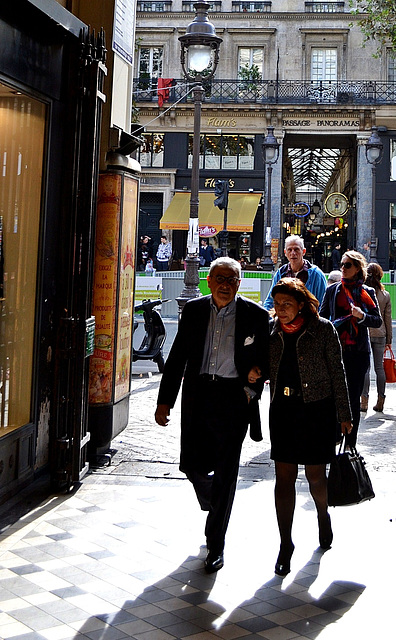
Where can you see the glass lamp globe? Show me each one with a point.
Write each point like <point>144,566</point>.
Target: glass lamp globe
<point>199,57</point>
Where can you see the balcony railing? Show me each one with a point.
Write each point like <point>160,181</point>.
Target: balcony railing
<point>188,7</point>
<point>340,92</point>
<point>324,7</point>
<point>158,6</point>
<point>251,7</point>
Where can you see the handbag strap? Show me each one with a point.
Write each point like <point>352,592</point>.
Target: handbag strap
<point>390,355</point>
<point>341,448</point>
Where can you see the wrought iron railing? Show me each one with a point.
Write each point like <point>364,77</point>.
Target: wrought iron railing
<point>188,6</point>
<point>325,7</point>
<point>340,92</point>
<point>244,6</point>
<point>158,6</point>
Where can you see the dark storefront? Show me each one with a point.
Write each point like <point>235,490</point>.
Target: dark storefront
<point>50,113</point>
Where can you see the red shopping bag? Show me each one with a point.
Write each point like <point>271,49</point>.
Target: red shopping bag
<point>389,365</point>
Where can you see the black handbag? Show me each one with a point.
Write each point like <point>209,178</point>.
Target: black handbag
<point>348,481</point>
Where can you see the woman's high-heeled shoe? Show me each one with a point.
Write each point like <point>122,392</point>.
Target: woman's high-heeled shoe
<point>325,533</point>
<point>282,566</point>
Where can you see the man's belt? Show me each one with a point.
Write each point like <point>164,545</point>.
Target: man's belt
<point>212,377</point>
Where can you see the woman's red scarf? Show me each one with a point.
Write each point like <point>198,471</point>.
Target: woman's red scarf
<point>351,292</point>
<point>294,325</point>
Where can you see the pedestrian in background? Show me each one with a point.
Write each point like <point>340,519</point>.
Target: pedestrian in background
<point>334,276</point>
<point>206,253</point>
<point>336,256</point>
<point>380,338</point>
<point>220,352</point>
<point>163,255</point>
<point>353,308</point>
<point>366,251</point>
<point>144,252</point>
<point>297,267</point>
<point>308,395</point>
<point>149,268</point>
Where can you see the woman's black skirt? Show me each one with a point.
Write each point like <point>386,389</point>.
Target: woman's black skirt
<point>302,433</point>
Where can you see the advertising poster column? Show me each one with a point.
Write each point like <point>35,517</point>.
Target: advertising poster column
<point>114,275</point>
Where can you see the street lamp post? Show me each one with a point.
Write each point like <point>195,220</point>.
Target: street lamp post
<point>271,155</point>
<point>315,209</point>
<point>199,59</point>
<point>374,152</point>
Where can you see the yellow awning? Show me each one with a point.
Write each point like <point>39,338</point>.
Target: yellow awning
<point>242,208</point>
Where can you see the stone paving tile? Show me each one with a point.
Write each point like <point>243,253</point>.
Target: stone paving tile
<point>121,556</point>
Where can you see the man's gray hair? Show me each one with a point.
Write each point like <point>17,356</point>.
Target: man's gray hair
<point>298,239</point>
<point>334,276</point>
<point>226,262</point>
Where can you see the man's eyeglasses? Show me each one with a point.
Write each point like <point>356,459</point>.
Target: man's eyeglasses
<point>231,279</point>
<point>346,265</point>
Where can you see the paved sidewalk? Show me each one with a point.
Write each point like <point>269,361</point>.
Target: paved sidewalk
<point>121,556</point>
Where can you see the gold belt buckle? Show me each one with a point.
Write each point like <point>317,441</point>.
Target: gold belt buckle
<point>286,391</point>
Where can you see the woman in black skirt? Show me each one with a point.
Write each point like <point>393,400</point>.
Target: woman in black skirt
<point>308,396</point>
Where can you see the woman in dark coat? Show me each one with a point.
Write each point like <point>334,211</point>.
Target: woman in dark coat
<point>380,338</point>
<point>353,308</point>
<point>308,396</point>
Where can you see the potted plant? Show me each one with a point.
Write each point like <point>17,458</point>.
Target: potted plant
<point>251,77</point>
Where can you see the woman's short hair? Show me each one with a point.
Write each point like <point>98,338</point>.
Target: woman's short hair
<point>374,276</point>
<point>297,289</point>
<point>358,261</point>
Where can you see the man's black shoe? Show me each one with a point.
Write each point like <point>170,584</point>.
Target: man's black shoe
<point>214,562</point>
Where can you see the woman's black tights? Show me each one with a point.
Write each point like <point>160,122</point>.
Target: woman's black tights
<point>285,495</point>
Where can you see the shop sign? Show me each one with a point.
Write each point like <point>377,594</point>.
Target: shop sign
<point>208,231</point>
<point>299,209</point>
<point>274,249</point>
<point>321,123</point>
<point>123,32</point>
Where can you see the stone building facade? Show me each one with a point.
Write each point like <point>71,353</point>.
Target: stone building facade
<point>297,66</point>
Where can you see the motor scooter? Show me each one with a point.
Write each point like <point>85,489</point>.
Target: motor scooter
<point>154,336</point>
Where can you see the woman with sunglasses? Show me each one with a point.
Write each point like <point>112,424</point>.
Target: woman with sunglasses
<point>353,308</point>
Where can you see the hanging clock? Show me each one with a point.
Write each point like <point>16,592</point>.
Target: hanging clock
<point>336,205</point>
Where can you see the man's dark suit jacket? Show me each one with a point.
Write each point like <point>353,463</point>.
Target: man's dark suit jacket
<point>185,359</point>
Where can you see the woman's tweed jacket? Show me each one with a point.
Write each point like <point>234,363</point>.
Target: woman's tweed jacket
<point>320,364</point>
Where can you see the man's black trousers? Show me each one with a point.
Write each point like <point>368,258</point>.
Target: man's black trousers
<point>215,441</point>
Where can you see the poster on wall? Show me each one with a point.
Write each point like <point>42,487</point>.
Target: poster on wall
<point>105,288</point>
<point>148,288</point>
<point>126,289</point>
<point>250,288</point>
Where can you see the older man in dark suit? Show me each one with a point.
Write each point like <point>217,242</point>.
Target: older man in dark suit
<point>221,349</point>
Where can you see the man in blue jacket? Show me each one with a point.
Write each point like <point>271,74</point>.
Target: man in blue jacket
<point>297,267</point>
